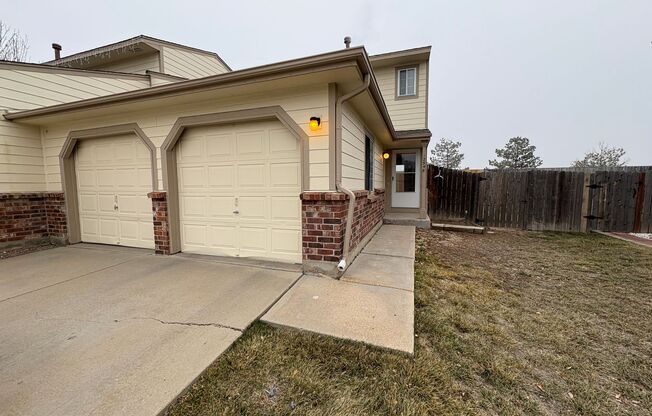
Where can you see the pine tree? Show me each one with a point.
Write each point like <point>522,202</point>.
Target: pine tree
<point>518,153</point>
<point>446,154</point>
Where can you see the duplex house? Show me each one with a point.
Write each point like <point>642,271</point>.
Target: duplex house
<point>295,161</point>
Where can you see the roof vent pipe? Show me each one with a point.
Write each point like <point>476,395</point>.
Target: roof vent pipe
<point>57,51</point>
<point>347,41</point>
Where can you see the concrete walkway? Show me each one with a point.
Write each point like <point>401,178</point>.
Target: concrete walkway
<point>97,330</point>
<point>372,303</point>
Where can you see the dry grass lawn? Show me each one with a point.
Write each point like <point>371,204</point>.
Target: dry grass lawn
<point>506,323</point>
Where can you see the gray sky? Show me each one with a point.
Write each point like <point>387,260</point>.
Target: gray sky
<point>565,73</point>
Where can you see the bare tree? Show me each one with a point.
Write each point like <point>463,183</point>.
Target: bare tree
<point>604,156</point>
<point>13,44</point>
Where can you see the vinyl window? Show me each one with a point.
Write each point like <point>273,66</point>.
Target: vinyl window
<point>406,82</point>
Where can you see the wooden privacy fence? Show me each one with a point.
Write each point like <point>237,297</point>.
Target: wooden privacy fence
<point>544,199</point>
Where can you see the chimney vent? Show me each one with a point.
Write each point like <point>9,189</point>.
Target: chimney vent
<point>347,41</point>
<point>57,50</point>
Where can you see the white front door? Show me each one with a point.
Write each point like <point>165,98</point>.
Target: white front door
<point>406,177</point>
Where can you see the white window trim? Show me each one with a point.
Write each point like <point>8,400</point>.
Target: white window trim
<point>398,82</point>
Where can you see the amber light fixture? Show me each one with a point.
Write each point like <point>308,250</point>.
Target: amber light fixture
<point>315,123</point>
<point>385,155</point>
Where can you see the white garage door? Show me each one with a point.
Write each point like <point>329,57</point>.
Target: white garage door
<point>113,179</point>
<point>239,189</point>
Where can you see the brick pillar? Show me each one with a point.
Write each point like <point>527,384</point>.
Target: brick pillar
<point>324,216</point>
<point>161,222</point>
<point>55,209</point>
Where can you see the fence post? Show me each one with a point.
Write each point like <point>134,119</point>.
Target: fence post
<point>586,202</point>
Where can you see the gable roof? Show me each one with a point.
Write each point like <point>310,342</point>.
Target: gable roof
<point>155,43</point>
<point>280,69</point>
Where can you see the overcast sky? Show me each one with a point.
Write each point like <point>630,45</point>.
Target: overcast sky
<point>565,73</point>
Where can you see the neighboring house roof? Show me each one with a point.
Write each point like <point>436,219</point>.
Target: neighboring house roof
<point>357,54</point>
<point>131,42</point>
<point>89,72</point>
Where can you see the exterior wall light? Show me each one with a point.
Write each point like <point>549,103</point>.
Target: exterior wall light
<point>315,123</point>
<point>385,155</point>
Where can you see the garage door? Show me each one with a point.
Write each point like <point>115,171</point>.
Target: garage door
<point>113,179</point>
<point>239,189</point>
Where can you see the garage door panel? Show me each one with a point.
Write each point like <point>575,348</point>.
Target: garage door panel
<point>254,167</point>
<point>105,179</point>
<point>194,234</point>
<point>253,239</point>
<point>114,170</point>
<point>132,205</point>
<point>251,144</point>
<point>251,175</point>
<point>220,207</point>
<point>285,174</point>
<point>88,203</point>
<point>221,177</point>
<point>252,207</point>
<point>285,241</point>
<point>191,150</point>
<point>86,179</point>
<point>282,142</point>
<point>124,178</point>
<point>285,208</point>
<point>192,177</point>
<point>193,206</point>
<point>220,146</point>
<point>103,153</point>
<point>109,227</point>
<point>222,237</point>
<point>106,203</point>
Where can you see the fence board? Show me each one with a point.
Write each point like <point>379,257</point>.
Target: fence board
<point>544,199</point>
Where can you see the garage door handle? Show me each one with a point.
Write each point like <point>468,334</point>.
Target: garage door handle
<point>236,211</point>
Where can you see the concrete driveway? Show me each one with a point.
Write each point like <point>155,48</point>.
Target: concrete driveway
<point>101,330</point>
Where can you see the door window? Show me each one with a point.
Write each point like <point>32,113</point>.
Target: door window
<point>406,172</point>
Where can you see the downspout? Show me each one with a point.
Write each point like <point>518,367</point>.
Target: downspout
<point>341,266</point>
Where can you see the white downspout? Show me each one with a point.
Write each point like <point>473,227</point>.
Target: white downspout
<point>341,266</point>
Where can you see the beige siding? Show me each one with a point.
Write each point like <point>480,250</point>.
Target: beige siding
<point>188,64</point>
<point>353,140</point>
<point>22,88</point>
<point>136,65</point>
<point>21,158</point>
<point>407,113</point>
<point>300,104</point>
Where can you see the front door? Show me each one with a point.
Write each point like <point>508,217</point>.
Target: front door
<point>406,171</point>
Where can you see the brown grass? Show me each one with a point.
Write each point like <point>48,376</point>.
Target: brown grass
<point>506,323</point>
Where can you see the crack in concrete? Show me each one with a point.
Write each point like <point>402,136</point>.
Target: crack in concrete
<point>216,325</point>
<point>90,321</point>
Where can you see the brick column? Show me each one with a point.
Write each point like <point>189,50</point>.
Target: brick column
<point>55,209</point>
<point>161,223</point>
<point>324,216</point>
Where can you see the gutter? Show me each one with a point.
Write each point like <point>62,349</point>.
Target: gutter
<point>341,266</point>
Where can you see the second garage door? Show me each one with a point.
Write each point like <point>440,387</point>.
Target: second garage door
<point>114,176</point>
<point>239,189</point>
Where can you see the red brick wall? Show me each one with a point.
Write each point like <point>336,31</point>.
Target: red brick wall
<point>161,223</point>
<point>324,221</point>
<point>29,217</point>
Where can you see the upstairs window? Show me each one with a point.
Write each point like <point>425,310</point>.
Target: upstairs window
<point>368,164</point>
<point>406,82</point>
